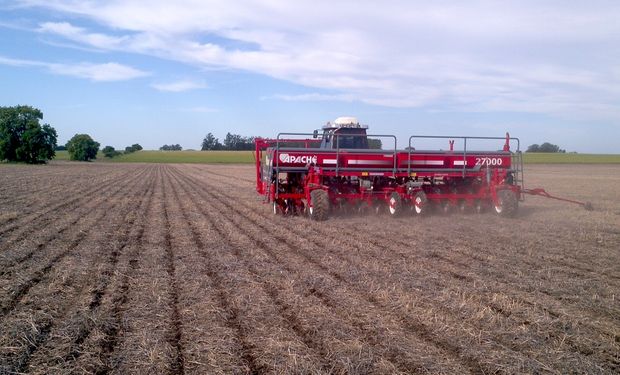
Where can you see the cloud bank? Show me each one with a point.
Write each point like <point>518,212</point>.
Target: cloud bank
<point>553,57</point>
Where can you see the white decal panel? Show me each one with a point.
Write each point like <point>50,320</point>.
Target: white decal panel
<point>297,159</point>
<point>427,162</point>
<point>489,161</point>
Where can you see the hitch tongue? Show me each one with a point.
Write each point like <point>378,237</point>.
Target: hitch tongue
<point>542,193</point>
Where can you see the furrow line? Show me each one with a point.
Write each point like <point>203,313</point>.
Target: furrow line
<point>175,335</point>
<point>236,179</point>
<point>420,327</point>
<point>82,213</point>
<point>19,293</point>
<point>233,319</point>
<point>534,260</point>
<point>496,277</point>
<point>62,202</point>
<point>577,264</point>
<point>51,208</point>
<point>506,314</point>
<point>39,275</point>
<point>44,331</point>
<point>106,277</point>
<point>394,356</point>
<point>111,334</point>
<point>480,294</point>
<point>370,298</point>
<point>41,335</point>
<point>64,187</point>
<point>269,289</point>
<point>502,281</point>
<point>317,240</point>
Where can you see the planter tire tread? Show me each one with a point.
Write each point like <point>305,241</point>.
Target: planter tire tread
<point>320,205</point>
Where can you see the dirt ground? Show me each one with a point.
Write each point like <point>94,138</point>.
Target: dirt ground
<point>152,269</point>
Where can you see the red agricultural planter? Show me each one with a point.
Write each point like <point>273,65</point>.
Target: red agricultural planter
<point>339,170</point>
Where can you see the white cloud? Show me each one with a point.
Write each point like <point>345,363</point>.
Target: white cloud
<point>98,72</point>
<point>95,72</point>
<point>78,34</point>
<point>551,57</point>
<point>18,62</point>
<point>179,86</point>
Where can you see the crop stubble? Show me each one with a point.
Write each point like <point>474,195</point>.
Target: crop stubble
<point>180,269</point>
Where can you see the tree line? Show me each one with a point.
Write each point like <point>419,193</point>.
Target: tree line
<point>176,147</point>
<point>237,142</point>
<point>110,152</point>
<point>24,139</point>
<point>232,142</point>
<point>545,147</point>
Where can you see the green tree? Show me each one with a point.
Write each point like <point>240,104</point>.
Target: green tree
<point>232,141</point>
<point>82,147</point>
<point>38,143</point>
<point>176,147</point>
<point>533,148</point>
<point>22,138</point>
<point>110,152</point>
<point>211,143</point>
<point>545,147</point>
<point>237,142</point>
<point>133,148</point>
<point>548,147</point>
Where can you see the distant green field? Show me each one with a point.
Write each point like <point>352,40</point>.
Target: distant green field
<point>225,157</point>
<point>144,156</point>
<point>246,157</point>
<point>61,155</point>
<point>553,158</point>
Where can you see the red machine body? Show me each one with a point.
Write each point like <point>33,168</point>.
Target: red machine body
<point>320,175</point>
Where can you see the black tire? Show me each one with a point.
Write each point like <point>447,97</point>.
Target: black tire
<point>507,204</point>
<point>395,204</point>
<point>420,203</point>
<point>319,205</point>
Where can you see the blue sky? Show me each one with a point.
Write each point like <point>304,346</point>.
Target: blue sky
<point>156,72</point>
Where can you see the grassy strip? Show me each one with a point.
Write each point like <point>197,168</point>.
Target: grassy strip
<point>246,157</point>
<point>553,158</point>
<point>61,155</point>
<point>203,157</point>
<point>224,157</point>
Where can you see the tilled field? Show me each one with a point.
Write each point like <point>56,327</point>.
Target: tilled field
<point>181,269</point>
